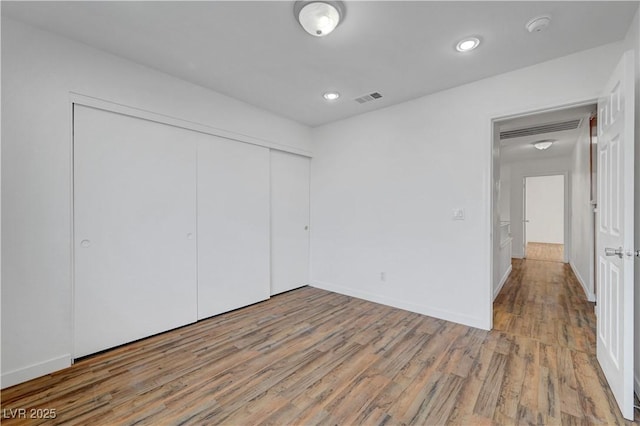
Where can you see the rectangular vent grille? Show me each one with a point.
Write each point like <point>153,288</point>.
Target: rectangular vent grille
<point>543,128</point>
<point>368,98</point>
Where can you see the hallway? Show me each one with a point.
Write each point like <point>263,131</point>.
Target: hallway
<point>552,366</point>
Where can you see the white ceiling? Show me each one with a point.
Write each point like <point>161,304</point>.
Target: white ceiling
<point>257,52</point>
<point>522,149</point>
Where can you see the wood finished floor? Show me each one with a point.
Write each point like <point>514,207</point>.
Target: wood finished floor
<point>545,251</point>
<point>314,357</point>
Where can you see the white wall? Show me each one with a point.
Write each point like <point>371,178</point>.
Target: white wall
<point>544,207</point>
<point>39,70</point>
<point>384,185</point>
<point>520,170</point>
<point>582,216</point>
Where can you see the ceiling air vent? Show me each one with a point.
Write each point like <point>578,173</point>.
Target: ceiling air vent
<point>540,129</point>
<point>368,98</point>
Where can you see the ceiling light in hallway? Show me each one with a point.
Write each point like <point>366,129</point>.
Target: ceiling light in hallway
<point>543,144</point>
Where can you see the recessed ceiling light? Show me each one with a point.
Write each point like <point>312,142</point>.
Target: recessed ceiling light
<point>331,96</point>
<point>543,144</point>
<point>467,44</point>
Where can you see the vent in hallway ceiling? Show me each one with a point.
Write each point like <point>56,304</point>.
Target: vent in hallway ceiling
<point>368,98</point>
<point>541,129</point>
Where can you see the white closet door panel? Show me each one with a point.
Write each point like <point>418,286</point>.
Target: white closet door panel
<point>134,224</point>
<point>289,221</point>
<point>233,225</point>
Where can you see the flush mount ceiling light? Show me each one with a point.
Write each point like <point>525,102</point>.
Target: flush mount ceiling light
<point>544,144</point>
<point>319,18</point>
<point>467,44</point>
<point>331,96</point>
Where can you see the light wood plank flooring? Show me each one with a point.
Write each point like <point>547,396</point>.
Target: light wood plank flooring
<point>545,251</point>
<point>315,357</point>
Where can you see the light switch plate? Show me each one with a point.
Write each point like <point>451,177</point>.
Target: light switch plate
<point>458,214</point>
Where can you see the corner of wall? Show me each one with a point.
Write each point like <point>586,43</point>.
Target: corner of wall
<point>591,297</point>
<point>431,311</point>
<point>503,280</point>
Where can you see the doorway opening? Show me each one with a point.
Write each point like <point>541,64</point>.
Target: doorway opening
<point>544,218</point>
<point>608,233</point>
<point>557,222</point>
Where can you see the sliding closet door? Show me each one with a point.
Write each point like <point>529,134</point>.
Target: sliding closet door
<point>289,221</point>
<point>233,225</point>
<point>134,225</point>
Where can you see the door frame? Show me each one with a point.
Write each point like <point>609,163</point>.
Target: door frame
<point>492,183</point>
<point>566,214</point>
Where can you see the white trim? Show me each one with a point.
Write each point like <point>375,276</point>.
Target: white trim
<point>102,104</point>
<point>553,107</point>
<point>72,246</point>
<point>503,280</point>
<point>591,297</point>
<point>401,304</point>
<point>33,371</point>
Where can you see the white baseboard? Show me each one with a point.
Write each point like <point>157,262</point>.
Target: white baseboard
<point>29,372</point>
<point>502,281</point>
<point>407,306</point>
<point>591,297</point>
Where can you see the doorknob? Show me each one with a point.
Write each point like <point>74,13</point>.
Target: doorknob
<point>608,251</point>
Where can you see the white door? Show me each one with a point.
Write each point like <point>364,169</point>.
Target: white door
<point>289,221</point>
<point>233,225</point>
<point>614,239</point>
<point>544,213</point>
<point>134,229</point>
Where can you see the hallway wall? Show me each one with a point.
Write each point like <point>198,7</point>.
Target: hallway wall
<point>582,216</point>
